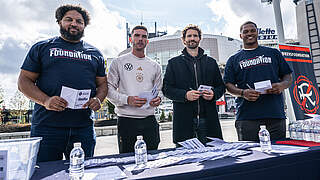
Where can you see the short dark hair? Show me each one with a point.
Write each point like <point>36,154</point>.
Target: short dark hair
<point>191,26</point>
<point>62,10</point>
<point>139,27</point>
<point>248,22</point>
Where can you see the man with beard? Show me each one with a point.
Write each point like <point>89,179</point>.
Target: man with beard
<point>194,111</point>
<point>52,64</point>
<point>253,64</point>
<point>129,77</point>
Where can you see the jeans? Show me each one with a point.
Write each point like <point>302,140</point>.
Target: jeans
<point>57,141</point>
<point>200,129</point>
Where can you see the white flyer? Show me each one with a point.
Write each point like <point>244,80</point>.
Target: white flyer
<point>110,172</point>
<point>262,86</point>
<point>75,98</point>
<point>204,88</point>
<point>193,143</point>
<point>149,95</point>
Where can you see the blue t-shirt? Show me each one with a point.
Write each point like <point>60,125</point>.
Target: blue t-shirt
<point>61,63</point>
<point>250,66</point>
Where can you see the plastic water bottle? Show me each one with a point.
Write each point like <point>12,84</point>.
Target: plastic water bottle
<point>312,130</point>
<point>306,131</point>
<point>264,137</point>
<point>76,169</point>
<point>140,150</point>
<point>292,130</point>
<point>316,131</point>
<point>299,131</point>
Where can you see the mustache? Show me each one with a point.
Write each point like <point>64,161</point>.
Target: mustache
<point>73,27</point>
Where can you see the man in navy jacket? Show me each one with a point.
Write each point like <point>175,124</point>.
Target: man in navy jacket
<point>194,111</point>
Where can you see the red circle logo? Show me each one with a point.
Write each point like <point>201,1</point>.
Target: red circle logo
<point>306,95</point>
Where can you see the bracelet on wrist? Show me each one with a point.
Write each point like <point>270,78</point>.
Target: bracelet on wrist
<point>242,91</point>
<point>95,98</point>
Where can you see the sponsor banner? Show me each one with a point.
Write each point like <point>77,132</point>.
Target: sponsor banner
<point>304,91</point>
<point>267,34</point>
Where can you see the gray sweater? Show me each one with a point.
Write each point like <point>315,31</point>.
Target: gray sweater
<point>129,75</point>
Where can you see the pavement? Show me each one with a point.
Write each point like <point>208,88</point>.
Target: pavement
<point>107,145</point>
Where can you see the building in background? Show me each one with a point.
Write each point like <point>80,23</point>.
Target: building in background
<point>308,21</point>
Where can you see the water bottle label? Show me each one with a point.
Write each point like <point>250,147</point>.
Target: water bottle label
<point>264,138</point>
<point>77,161</point>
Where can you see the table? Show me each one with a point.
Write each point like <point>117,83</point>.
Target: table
<point>256,166</point>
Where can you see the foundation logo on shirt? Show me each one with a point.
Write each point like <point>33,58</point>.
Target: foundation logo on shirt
<point>139,77</point>
<point>72,54</point>
<point>128,66</point>
<point>306,95</point>
<point>258,60</point>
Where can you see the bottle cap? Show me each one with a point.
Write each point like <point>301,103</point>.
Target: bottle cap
<point>77,144</point>
<point>140,137</point>
<point>262,126</point>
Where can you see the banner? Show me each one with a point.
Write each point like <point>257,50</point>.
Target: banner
<point>304,91</point>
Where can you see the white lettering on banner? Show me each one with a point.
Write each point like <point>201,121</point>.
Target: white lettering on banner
<point>57,52</point>
<point>247,63</point>
<point>294,54</point>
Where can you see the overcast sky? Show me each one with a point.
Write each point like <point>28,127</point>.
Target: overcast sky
<point>24,22</point>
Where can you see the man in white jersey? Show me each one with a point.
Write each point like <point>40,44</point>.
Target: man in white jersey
<point>129,76</point>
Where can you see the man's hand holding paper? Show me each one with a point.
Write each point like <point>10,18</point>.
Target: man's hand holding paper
<point>93,103</point>
<point>150,97</point>
<point>263,86</point>
<point>277,88</point>
<point>76,99</point>
<point>155,102</point>
<point>136,101</point>
<point>206,92</point>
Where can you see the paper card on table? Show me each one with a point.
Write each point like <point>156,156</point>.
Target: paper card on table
<point>314,116</point>
<point>75,98</point>
<point>204,88</point>
<point>110,172</point>
<point>262,86</point>
<point>149,95</point>
<point>193,143</point>
<point>283,149</point>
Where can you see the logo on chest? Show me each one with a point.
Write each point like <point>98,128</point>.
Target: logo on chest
<point>71,54</point>
<point>139,76</point>
<point>128,66</point>
<point>258,60</point>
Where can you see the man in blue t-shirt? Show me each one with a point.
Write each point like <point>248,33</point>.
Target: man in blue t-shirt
<point>250,65</point>
<point>64,62</point>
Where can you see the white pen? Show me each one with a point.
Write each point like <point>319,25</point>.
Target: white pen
<point>248,86</point>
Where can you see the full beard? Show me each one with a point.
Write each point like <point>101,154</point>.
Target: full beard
<point>193,45</point>
<point>72,37</point>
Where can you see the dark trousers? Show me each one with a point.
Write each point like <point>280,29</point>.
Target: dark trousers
<point>247,130</point>
<point>200,129</point>
<point>130,128</point>
<point>57,141</point>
